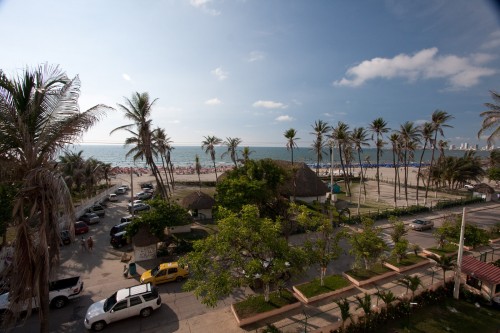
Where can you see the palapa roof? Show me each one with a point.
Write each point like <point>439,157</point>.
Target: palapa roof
<point>483,188</point>
<point>481,270</point>
<point>307,184</point>
<point>198,200</point>
<point>144,237</point>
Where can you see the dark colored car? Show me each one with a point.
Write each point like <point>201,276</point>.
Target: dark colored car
<point>81,228</point>
<point>65,237</point>
<point>147,185</point>
<point>119,239</point>
<point>118,228</point>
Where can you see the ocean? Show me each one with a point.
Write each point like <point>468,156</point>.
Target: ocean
<point>183,156</point>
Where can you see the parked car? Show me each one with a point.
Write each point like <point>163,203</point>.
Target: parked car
<point>97,209</point>
<point>130,204</point>
<point>143,195</point>
<point>469,186</point>
<point>120,190</point>
<point>147,185</point>
<point>112,197</point>
<point>138,207</point>
<point>65,237</point>
<point>421,225</point>
<point>166,272</point>
<point>127,218</point>
<point>139,300</point>
<point>119,239</point>
<point>81,228</point>
<point>90,218</point>
<point>118,228</point>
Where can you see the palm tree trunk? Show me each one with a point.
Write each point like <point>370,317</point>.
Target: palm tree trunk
<point>348,190</point>
<point>418,172</point>
<point>215,169</point>
<point>378,173</point>
<point>395,177</point>
<point>430,168</point>
<point>361,181</point>
<point>405,171</point>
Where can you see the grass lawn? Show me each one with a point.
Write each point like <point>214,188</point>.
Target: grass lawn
<point>255,304</point>
<point>440,318</point>
<point>447,249</point>
<point>331,283</point>
<point>412,259</point>
<point>363,274</point>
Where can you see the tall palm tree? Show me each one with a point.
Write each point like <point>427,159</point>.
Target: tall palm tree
<point>396,148</point>
<point>291,143</point>
<point>39,115</point>
<point>342,135</point>
<point>446,263</point>
<point>491,119</point>
<point>138,110</point>
<point>439,121</point>
<point>71,166</point>
<point>162,145</point>
<point>378,127</point>
<point>209,146</point>
<point>320,128</point>
<point>426,130</point>
<point>197,167</point>
<point>360,139</point>
<point>409,134</point>
<point>232,144</point>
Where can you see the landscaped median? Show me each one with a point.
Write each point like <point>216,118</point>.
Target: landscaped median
<point>361,277</point>
<point>446,250</point>
<point>334,285</point>
<point>255,308</point>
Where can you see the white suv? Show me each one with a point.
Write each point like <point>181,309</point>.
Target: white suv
<point>138,300</point>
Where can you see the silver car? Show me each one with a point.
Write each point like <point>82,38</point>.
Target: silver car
<point>421,225</point>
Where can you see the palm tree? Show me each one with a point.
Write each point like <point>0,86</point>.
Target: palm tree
<point>386,296</point>
<point>360,139</point>
<point>491,118</point>
<point>396,148</point>
<point>412,283</point>
<point>71,166</point>
<point>291,142</point>
<point>245,154</point>
<point>426,132</point>
<point>446,263</point>
<point>365,303</point>
<point>39,115</point>
<point>345,309</point>
<point>342,136</point>
<point>209,146</point>
<point>138,110</point>
<point>378,127</point>
<point>232,144</point>
<point>439,119</point>
<point>162,145</point>
<point>320,129</point>
<point>197,167</point>
<point>409,135</point>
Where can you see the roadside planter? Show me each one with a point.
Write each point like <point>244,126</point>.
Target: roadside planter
<point>363,277</point>
<point>447,250</point>
<point>312,291</point>
<point>407,264</point>
<point>254,308</point>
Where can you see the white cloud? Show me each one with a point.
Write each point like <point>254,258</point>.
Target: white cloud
<point>269,105</point>
<point>126,77</point>
<point>493,41</point>
<point>284,118</point>
<point>460,72</point>
<point>255,56</point>
<point>219,73</point>
<point>204,5</point>
<point>175,121</point>
<point>327,114</point>
<point>213,101</point>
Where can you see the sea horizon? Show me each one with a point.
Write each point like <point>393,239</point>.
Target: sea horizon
<point>184,156</point>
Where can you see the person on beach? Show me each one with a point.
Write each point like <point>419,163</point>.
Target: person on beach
<point>90,243</point>
<point>83,245</point>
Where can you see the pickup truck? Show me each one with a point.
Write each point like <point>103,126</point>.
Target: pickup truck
<point>60,292</point>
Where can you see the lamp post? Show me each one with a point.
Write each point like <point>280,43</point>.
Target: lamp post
<point>458,270</point>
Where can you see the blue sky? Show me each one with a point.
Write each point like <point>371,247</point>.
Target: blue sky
<point>252,69</point>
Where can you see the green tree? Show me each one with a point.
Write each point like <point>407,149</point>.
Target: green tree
<point>232,144</point>
<point>245,247</point>
<point>342,135</point>
<point>395,140</point>
<point>320,128</point>
<point>409,135</point>
<point>494,174</point>
<point>163,147</point>
<point>412,283</point>
<point>446,263</point>
<point>365,303</point>
<point>197,167</point>
<point>386,296</point>
<point>491,119</point>
<point>345,310</point>
<point>378,127</point>
<point>367,246</point>
<point>138,110</point>
<point>360,139</point>
<point>245,153</point>
<point>426,131</point>
<point>209,145</point>
<point>291,140</point>
<point>39,115</point>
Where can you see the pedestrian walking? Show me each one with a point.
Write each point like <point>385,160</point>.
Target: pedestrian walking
<point>90,243</point>
<point>83,244</point>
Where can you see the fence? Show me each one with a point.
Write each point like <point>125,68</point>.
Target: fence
<point>82,208</point>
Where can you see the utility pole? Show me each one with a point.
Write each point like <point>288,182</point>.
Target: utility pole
<point>458,269</point>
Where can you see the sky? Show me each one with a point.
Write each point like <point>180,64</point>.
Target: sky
<point>254,68</point>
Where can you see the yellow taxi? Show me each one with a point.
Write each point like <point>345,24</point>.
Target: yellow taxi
<point>166,272</point>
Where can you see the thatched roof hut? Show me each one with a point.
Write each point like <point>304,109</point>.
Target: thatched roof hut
<point>144,237</point>
<point>483,188</point>
<point>307,184</point>
<point>198,200</point>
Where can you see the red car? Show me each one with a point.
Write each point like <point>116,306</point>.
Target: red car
<point>81,228</point>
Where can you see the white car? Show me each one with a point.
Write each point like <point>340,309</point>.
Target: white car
<point>139,300</point>
<point>113,197</point>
